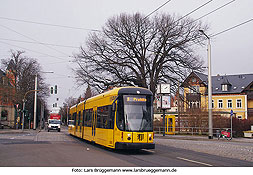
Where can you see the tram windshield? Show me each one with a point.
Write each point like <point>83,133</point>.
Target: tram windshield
<point>136,114</point>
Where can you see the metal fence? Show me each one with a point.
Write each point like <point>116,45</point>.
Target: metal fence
<point>189,130</point>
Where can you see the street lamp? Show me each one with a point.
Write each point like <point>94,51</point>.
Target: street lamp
<point>35,99</point>
<point>210,120</point>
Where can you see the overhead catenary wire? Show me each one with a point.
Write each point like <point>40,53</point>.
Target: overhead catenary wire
<point>194,10</point>
<point>226,30</point>
<point>41,43</point>
<point>156,9</point>
<point>58,45</point>
<point>209,13</point>
<point>32,39</point>
<point>59,62</point>
<point>33,51</point>
<point>47,24</point>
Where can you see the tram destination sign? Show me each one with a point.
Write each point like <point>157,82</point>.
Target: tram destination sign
<point>135,99</point>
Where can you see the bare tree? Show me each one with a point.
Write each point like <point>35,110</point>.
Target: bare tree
<point>137,51</point>
<point>24,70</point>
<point>88,93</point>
<point>69,102</point>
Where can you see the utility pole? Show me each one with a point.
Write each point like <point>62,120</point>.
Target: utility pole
<point>23,116</point>
<point>67,114</point>
<point>35,102</point>
<point>42,120</point>
<point>210,120</point>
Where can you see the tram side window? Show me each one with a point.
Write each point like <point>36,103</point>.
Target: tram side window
<point>111,118</point>
<point>120,116</point>
<point>88,117</point>
<point>74,116</point>
<point>79,117</point>
<point>98,118</point>
<point>104,117</point>
<point>101,117</point>
<point>83,117</point>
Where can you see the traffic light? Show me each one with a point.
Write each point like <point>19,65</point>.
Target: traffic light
<point>52,90</point>
<point>55,89</point>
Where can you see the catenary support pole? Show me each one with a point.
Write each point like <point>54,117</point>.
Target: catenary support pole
<point>35,103</point>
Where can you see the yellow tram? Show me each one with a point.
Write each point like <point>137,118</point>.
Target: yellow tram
<point>121,118</point>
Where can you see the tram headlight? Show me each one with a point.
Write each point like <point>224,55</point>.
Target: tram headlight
<point>150,136</point>
<point>128,136</point>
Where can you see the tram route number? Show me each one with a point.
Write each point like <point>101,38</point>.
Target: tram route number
<point>140,137</point>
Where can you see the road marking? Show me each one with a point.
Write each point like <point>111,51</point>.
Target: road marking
<point>194,161</point>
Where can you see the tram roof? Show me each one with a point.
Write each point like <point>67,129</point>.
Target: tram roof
<point>123,90</point>
<point>117,91</point>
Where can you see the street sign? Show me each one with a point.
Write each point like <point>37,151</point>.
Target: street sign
<point>231,112</point>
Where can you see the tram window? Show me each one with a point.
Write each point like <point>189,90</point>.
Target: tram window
<point>98,120</point>
<point>111,118</point>
<point>88,117</point>
<point>83,117</point>
<point>99,117</point>
<point>79,115</point>
<point>120,116</point>
<point>104,117</point>
<point>74,115</point>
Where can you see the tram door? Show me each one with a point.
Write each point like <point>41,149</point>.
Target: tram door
<point>94,123</point>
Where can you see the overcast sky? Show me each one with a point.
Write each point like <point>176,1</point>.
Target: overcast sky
<point>231,51</point>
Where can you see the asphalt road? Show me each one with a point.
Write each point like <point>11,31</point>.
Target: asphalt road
<point>58,149</point>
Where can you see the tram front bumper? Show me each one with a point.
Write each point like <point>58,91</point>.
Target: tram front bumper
<point>121,145</point>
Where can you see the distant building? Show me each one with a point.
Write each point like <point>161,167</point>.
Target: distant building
<point>229,92</point>
<point>7,93</point>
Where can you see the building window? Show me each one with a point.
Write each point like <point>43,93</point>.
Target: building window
<point>212,104</point>
<point>220,103</point>
<point>239,117</point>
<point>194,80</point>
<point>239,103</point>
<point>224,87</point>
<point>194,89</point>
<point>194,104</point>
<point>4,115</point>
<point>229,104</point>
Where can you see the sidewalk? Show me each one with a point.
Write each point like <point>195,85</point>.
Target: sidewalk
<point>15,131</point>
<point>157,136</point>
<point>201,138</point>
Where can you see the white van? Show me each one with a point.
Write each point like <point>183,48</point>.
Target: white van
<point>54,124</point>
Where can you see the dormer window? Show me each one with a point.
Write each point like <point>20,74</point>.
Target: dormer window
<point>224,87</point>
<point>194,89</point>
<point>194,80</point>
